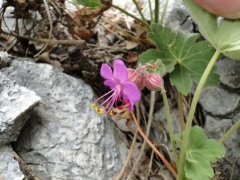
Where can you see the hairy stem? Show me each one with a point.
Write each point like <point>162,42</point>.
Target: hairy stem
<point>180,110</point>
<point>230,131</point>
<point>191,114</point>
<point>170,127</point>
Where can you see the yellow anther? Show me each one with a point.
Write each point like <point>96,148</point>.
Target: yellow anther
<point>111,113</point>
<point>94,105</point>
<point>96,108</point>
<point>99,111</point>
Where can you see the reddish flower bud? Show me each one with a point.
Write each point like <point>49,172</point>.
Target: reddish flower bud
<point>225,8</point>
<point>154,82</point>
<point>135,76</point>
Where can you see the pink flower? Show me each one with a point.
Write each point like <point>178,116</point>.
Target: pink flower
<point>225,8</point>
<point>137,76</point>
<point>122,90</point>
<point>141,77</point>
<point>154,82</point>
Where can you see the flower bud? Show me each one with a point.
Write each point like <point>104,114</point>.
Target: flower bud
<point>154,82</point>
<point>138,79</point>
<point>225,8</point>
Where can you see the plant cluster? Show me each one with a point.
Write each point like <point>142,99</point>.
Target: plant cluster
<point>186,61</point>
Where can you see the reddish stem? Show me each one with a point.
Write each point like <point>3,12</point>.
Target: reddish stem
<point>174,173</point>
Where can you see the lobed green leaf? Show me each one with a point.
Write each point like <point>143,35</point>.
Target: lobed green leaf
<point>223,35</point>
<point>200,153</point>
<point>185,59</point>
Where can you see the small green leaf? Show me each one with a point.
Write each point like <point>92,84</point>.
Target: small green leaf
<point>178,139</point>
<point>91,4</point>
<point>185,59</point>
<point>154,55</point>
<point>160,69</point>
<point>196,137</point>
<point>200,153</point>
<point>223,35</point>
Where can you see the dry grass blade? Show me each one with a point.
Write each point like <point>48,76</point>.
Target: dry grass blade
<point>51,29</point>
<point>169,155</point>
<point>118,177</point>
<point>233,167</point>
<point>24,166</point>
<point>151,162</point>
<point>152,100</point>
<point>66,42</point>
<point>174,173</point>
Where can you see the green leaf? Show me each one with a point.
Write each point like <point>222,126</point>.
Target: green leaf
<point>178,139</point>
<point>91,4</point>
<point>160,69</point>
<point>196,137</point>
<point>185,59</point>
<point>154,55</point>
<point>224,36</point>
<point>200,153</point>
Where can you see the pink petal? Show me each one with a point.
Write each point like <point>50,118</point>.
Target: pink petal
<point>131,90</point>
<point>132,93</point>
<point>111,83</point>
<point>131,107</point>
<point>106,71</point>
<point>120,72</point>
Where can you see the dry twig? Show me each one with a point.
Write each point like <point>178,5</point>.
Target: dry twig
<point>51,28</point>
<point>233,167</point>
<point>68,42</point>
<point>148,129</point>
<point>24,166</point>
<point>118,177</point>
<point>174,173</point>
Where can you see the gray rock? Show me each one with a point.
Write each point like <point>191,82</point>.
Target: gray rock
<point>228,69</point>
<point>162,134</point>
<point>16,105</point>
<point>178,18</point>
<point>65,138</point>
<point>9,168</point>
<point>160,118</point>
<point>218,101</point>
<point>215,128</point>
<point>3,59</point>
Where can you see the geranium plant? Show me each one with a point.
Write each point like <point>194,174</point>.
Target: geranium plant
<point>187,61</point>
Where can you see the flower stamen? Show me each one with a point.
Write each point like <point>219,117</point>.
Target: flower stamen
<point>122,90</point>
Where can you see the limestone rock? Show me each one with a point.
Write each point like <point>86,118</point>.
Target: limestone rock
<point>9,168</point>
<point>65,138</point>
<point>16,104</point>
<point>178,17</point>
<point>218,102</point>
<point>160,118</point>
<point>215,128</point>
<point>228,69</point>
